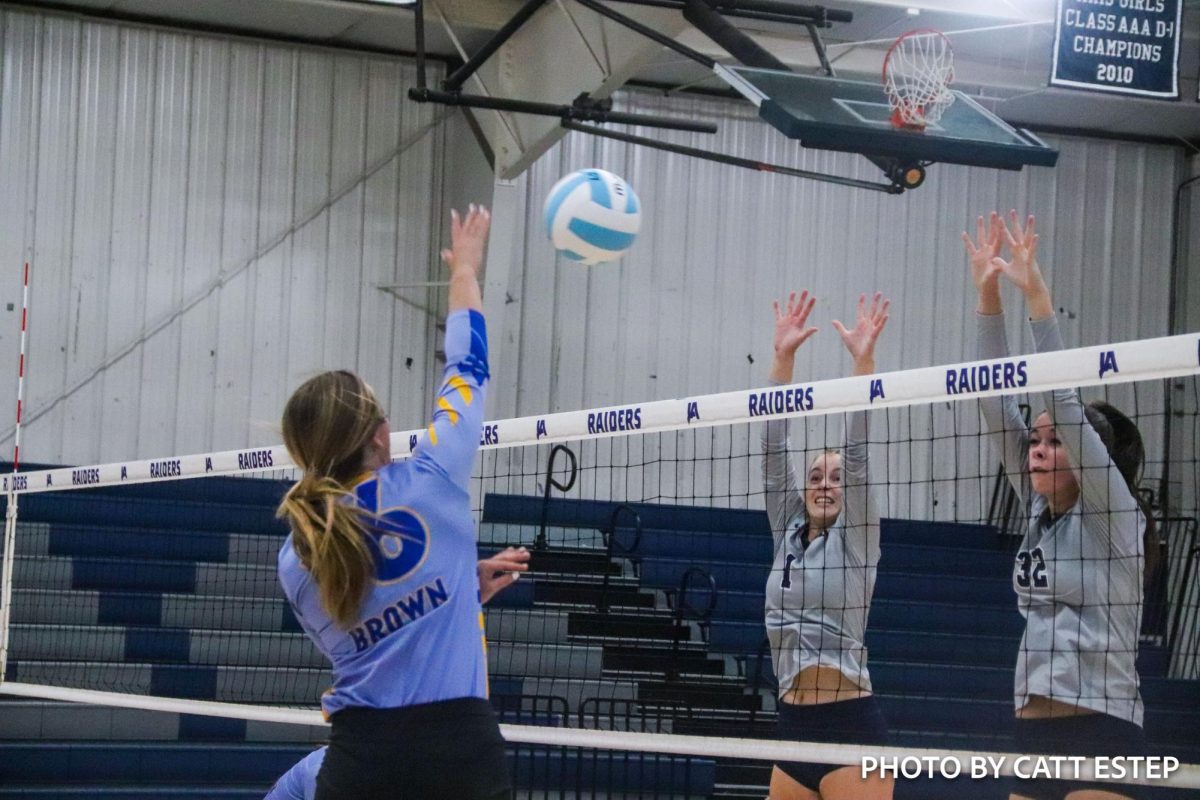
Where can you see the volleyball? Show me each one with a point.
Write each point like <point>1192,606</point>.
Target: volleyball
<point>592,216</point>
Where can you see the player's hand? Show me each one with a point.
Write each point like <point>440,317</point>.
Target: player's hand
<point>1022,267</point>
<point>791,328</point>
<point>501,571</point>
<point>468,236</point>
<point>860,340</point>
<point>983,250</point>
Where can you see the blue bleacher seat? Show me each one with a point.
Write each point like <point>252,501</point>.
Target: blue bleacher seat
<point>149,562</point>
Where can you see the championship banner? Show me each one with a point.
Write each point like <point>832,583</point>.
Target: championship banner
<point>1121,46</point>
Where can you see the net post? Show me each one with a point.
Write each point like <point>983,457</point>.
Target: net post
<point>10,511</point>
<point>6,579</point>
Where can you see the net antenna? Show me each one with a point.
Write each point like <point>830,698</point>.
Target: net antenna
<point>917,73</point>
<point>10,485</point>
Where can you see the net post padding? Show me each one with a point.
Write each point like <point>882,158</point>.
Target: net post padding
<point>6,579</point>
<point>1124,362</point>
<point>917,72</point>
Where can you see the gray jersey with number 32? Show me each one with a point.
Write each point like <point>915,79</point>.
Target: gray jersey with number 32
<point>1078,577</point>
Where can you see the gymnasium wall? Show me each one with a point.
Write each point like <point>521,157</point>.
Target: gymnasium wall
<point>688,311</point>
<point>207,221</point>
<point>689,308</point>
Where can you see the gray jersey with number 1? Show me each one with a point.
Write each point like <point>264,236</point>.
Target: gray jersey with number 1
<point>818,596</point>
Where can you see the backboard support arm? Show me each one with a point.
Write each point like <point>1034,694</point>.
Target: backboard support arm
<point>583,108</point>
<point>706,14</point>
<point>456,79</point>
<point>733,161</point>
<point>648,32</point>
<point>762,11</point>
<point>819,46</point>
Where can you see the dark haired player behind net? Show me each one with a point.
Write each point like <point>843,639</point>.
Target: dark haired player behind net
<point>1078,575</point>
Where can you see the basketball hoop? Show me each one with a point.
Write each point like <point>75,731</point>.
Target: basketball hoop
<point>917,73</point>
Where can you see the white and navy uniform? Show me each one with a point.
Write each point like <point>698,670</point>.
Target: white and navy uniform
<point>819,594</point>
<point>299,782</point>
<point>818,597</point>
<point>418,643</point>
<point>1078,577</point>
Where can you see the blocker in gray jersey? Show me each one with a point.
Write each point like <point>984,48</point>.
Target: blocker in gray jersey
<point>1078,578</point>
<point>818,597</point>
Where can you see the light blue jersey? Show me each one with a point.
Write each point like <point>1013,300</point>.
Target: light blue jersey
<point>419,637</point>
<point>299,782</point>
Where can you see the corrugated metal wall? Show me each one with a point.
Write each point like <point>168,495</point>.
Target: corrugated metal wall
<point>207,220</point>
<point>688,311</point>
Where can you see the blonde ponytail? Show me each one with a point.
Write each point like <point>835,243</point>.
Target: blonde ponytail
<point>327,425</point>
<point>328,536</point>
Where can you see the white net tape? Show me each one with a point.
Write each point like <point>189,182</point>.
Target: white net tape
<point>1144,359</point>
<point>917,73</point>
<point>1161,772</point>
<point>204,618</point>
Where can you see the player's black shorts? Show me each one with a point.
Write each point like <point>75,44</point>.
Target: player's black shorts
<point>857,721</point>
<point>1085,735</point>
<point>450,750</point>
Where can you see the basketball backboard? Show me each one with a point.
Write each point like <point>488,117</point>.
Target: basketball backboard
<point>853,116</point>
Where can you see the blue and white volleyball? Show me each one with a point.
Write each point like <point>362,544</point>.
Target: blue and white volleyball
<point>592,216</point>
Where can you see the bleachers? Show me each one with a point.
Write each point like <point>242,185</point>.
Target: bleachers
<point>170,589</point>
<point>943,632</point>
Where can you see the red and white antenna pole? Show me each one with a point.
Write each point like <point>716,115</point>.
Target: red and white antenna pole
<point>10,516</point>
<point>21,371</point>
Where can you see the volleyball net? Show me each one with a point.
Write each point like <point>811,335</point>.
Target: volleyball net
<point>637,656</point>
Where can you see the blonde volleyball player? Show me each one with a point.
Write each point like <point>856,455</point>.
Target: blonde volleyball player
<point>1079,572</point>
<point>380,570</point>
<point>495,575</point>
<point>820,586</point>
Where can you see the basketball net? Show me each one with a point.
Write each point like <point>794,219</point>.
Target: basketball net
<point>917,73</point>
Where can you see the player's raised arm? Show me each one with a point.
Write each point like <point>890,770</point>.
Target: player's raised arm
<point>783,497</point>
<point>453,436</point>
<point>862,512</point>
<point>464,257</point>
<point>1005,428</point>
<point>1104,488</point>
